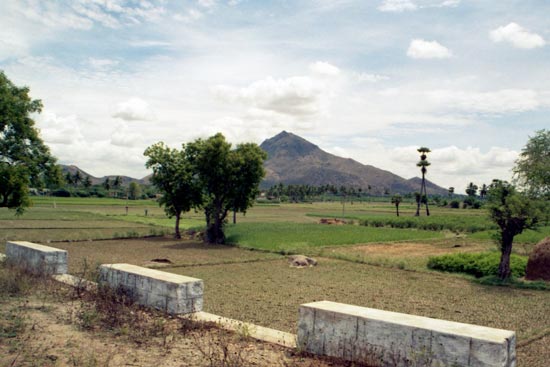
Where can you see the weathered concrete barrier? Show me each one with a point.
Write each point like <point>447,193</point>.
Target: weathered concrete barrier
<point>37,258</point>
<point>383,338</point>
<point>176,294</point>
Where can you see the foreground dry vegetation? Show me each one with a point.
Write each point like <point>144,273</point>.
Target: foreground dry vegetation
<point>43,323</point>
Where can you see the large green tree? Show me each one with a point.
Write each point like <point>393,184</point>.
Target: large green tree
<point>532,170</point>
<point>229,179</point>
<point>209,175</point>
<point>513,212</point>
<point>173,176</point>
<point>25,161</point>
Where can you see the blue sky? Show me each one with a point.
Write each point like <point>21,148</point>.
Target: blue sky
<point>371,80</point>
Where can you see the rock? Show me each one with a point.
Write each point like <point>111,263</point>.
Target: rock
<point>331,221</point>
<point>538,266</point>
<point>300,261</point>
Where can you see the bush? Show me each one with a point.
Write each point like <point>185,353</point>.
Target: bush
<point>62,193</point>
<point>454,204</point>
<point>477,264</point>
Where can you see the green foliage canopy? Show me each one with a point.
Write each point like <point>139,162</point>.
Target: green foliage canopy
<point>173,176</point>
<point>229,179</point>
<point>513,212</point>
<point>209,175</point>
<point>24,158</point>
<point>532,170</point>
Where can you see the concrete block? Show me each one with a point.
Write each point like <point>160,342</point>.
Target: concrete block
<point>37,258</point>
<point>383,338</point>
<point>173,293</point>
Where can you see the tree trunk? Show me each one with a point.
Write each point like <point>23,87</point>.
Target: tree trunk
<point>177,233</point>
<point>234,217</point>
<point>427,209</point>
<point>397,209</point>
<point>214,229</point>
<point>506,249</point>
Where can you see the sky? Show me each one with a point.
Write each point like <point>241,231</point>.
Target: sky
<point>371,80</point>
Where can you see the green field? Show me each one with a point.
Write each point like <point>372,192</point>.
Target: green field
<point>304,237</point>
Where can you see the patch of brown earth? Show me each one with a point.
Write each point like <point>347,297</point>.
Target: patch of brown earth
<point>410,249</point>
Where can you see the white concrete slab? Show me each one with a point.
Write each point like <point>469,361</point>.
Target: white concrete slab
<point>363,334</point>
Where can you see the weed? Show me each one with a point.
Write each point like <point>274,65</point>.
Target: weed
<point>221,349</point>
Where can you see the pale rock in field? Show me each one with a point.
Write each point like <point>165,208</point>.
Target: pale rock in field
<point>300,261</point>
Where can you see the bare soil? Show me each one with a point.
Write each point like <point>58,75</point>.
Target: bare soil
<point>51,337</point>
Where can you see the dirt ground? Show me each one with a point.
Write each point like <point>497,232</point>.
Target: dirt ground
<point>50,336</point>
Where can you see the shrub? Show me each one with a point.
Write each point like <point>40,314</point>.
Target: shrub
<point>454,204</point>
<point>63,193</point>
<point>476,264</point>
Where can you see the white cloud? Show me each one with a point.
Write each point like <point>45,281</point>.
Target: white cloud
<point>102,64</point>
<point>324,68</point>
<point>134,109</point>
<point>369,78</point>
<point>295,96</point>
<point>420,49</point>
<point>397,5</point>
<point>56,129</point>
<point>189,16</point>
<point>517,36</point>
<point>207,3</point>
<point>123,136</point>
<point>150,43</point>
<point>497,102</point>
<point>448,3</point>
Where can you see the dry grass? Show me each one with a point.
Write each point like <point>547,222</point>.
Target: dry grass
<point>406,255</point>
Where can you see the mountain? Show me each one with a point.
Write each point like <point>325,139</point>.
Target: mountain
<point>294,160</point>
<point>99,180</point>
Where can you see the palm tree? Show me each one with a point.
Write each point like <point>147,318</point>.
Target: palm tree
<point>423,163</point>
<point>471,189</point>
<point>396,200</point>
<point>483,191</point>
<point>451,191</point>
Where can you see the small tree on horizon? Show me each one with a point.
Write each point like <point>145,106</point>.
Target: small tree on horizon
<point>396,200</point>
<point>423,164</point>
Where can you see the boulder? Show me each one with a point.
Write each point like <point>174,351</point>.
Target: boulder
<point>331,221</point>
<point>538,266</point>
<point>300,261</point>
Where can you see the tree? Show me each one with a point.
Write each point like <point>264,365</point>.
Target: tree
<point>229,179</point>
<point>483,191</point>
<point>451,191</point>
<point>24,158</point>
<point>512,212</point>
<point>396,200</point>
<point>107,184</point>
<point>173,176</point>
<point>134,190</point>
<point>68,178</point>
<point>532,169</point>
<point>87,183</point>
<point>423,164</point>
<point>77,178</point>
<point>471,190</point>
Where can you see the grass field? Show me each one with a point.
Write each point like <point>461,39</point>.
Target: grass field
<point>376,267</point>
<point>305,237</point>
